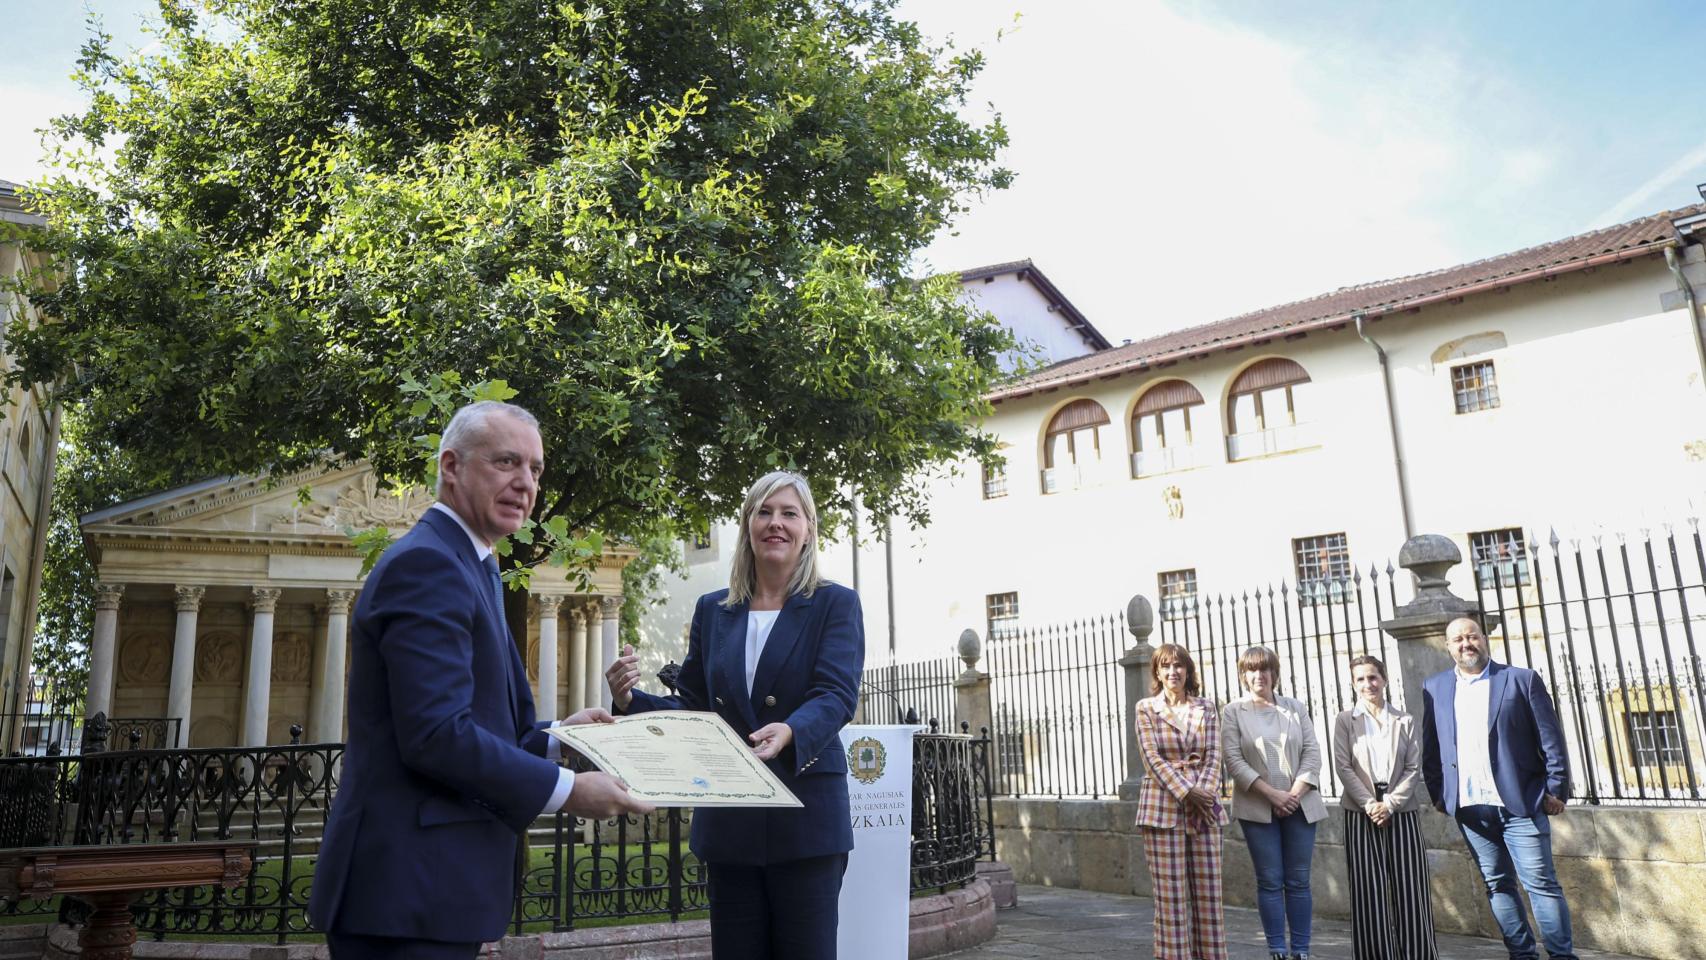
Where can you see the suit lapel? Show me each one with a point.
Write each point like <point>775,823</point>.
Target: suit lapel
<point>1498,677</point>
<point>1445,709</point>
<point>731,659</point>
<point>783,636</point>
<point>476,573</point>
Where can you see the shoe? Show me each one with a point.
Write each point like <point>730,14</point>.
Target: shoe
<point>1299,956</point>
<point>1278,955</point>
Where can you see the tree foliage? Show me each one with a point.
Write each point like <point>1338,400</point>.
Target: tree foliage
<point>680,231</point>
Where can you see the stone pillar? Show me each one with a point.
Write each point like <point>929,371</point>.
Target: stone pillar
<point>183,661</point>
<point>971,689</point>
<point>547,699</point>
<point>577,661</point>
<point>328,721</point>
<point>1419,626</point>
<point>1140,620</point>
<point>594,649</point>
<point>612,609</point>
<point>101,651</point>
<point>257,692</point>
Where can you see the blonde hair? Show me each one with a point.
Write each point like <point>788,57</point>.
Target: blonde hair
<point>805,578</point>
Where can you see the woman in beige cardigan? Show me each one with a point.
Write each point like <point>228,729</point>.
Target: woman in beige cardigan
<point>1274,760</point>
<point>1379,761</point>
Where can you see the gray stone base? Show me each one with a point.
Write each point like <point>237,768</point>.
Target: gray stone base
<point>1002,887</point>
<point>940,924</point>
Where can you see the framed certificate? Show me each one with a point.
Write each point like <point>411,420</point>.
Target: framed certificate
<point>679,758</point>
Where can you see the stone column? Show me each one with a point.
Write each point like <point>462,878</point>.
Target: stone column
<point>1140,620</point>
<point>596,690</point>
<point>183,660</point>
<point>101,651</point>
<point>971,689</point>
<point>612,609</point>
<point>1419,626</point>
<point>577,660</point>
<point>257,692</point>
<point>328,721</point>
<point>547,699</point>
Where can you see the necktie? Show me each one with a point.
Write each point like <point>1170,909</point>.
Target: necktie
<point>497,582</point>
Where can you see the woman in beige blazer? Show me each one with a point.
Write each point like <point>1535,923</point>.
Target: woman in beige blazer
<point>1379,760</point>
<point>1274,760</point>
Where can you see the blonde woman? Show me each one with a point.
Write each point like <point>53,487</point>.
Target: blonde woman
<point>1178,809</point>
<point>1274,760</point>
<point>1379,761</point>
<point>778,656</point>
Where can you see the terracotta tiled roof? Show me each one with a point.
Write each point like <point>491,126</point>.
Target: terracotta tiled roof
<point>1636,238</point>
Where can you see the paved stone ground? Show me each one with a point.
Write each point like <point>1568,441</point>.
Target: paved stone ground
<point>1055,922</point>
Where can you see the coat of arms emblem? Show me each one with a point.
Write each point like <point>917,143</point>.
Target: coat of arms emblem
<point>869,758</point>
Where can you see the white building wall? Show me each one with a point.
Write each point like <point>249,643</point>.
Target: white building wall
<point>1024,310</point>
<point>1602,426</point>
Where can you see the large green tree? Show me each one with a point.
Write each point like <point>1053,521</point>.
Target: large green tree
<point>679,230</point>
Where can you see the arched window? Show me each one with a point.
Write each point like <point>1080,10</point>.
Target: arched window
<point>1073,445</point>
<point>1161,428</point>
<point>1268,410</point>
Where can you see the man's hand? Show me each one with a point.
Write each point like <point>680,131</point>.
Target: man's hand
<point>768,740</point>
<point>622,676</point>
<point>600,796</point>
<point>589,715</point>
<point>1552,805</point>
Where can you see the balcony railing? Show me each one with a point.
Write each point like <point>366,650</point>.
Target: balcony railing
<point>1258,443</point>
<point>1147,463</point>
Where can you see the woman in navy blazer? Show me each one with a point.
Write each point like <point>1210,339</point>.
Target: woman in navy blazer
<point>777,655</point>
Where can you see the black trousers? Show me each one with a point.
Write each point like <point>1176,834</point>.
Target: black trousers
<point>782,911</point>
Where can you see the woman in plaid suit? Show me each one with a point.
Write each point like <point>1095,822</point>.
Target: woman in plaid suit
<point>1178,809</point>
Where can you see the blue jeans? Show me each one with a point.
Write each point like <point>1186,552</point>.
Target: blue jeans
<point>1280,851</point>
<point>1510,848</point>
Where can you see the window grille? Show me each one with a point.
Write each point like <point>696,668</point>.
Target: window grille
<point>1499,556</point>
<point>1178,590</point>
<point>1321,562</point>
<point>1002,611</point>
<point>1474,386</point>
<point>994,481</point>
<point>1655,737</point>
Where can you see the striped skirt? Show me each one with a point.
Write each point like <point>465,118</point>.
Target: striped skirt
<point>1391,918</point>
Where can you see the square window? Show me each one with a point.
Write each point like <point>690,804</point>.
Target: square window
<point>994,481</point>
<point>1322,563</point>
<point>1002,611</point>
<point>1655,737</point>
<point>1500,557</point>
<point>1474,386</point>
<point>1178,589</point>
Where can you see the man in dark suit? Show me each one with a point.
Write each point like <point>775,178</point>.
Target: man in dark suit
<point>1493,757</point>
<point>445,767</point>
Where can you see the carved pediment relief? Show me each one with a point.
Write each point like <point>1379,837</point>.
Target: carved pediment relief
<point>362,504</point>
<point>290,658</point>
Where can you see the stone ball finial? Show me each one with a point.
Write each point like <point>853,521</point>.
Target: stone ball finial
<point>1429,556</point>
<point>1140,617</point>
<point>970,648</point>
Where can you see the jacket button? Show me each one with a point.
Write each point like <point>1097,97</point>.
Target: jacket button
<point>719,701</point>
<point>770,701</point>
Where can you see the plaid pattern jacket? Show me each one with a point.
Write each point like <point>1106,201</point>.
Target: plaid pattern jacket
<point>1177,756</point>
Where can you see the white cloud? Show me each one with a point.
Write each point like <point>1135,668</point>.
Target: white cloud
<point>1641,199</point>
<point>1175,170</point>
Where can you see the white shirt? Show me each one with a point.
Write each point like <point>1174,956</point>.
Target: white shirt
<point>1474,765</point>
<point>553,747</point>
<point>1379,739</point>
<point>758,626</point>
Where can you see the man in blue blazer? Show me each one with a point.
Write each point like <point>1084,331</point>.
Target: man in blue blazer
<point>1493,756</point>
<point>445,767</point>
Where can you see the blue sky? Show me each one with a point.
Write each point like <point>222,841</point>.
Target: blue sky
<point>1181,162</point>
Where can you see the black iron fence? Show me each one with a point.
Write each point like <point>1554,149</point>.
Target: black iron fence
<point>1057,696</point>
<point>1614,625</point>
<point>908,692</point>
<point>43,718</point>
<point>1315,628</point>
<point>578,870</point>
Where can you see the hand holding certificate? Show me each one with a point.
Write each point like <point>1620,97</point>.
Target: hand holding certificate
<point>679,758</point>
